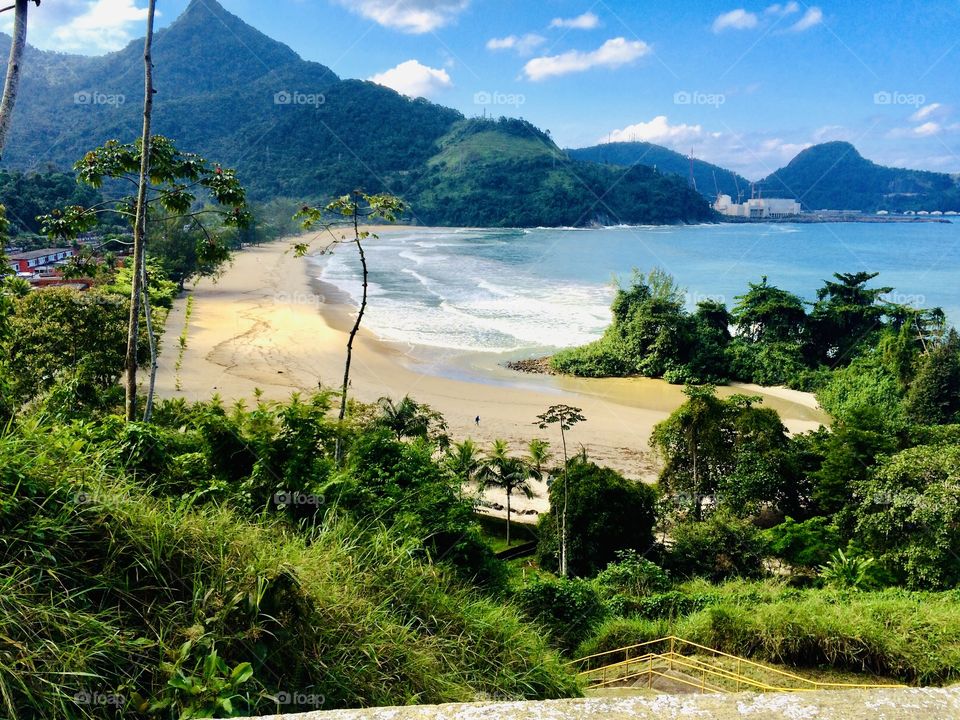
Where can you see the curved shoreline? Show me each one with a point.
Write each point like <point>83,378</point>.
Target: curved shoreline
<point>268,324</point>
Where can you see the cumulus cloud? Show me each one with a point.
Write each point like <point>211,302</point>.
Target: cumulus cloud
<point>782,10</point>
<point>415,80</point>
<point>522,44</point>
<point>738,19</point>
<point>587,21</point>
<point>409,16</point>
<point>811,18</point>
<point>927,129</point>
<point>925,112</point>
<point>88,27</point>
<point>659,130</point>
<point>753,154</point>
<point>613,53</point>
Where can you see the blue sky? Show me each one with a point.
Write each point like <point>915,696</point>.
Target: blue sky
<point>745,85</point>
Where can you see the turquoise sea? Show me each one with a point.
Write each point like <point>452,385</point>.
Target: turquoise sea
<point>519,291</point>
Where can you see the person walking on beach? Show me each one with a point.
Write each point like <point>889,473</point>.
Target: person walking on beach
<point>477,420</point>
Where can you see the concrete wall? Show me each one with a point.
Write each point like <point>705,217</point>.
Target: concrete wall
<point>913,703</point>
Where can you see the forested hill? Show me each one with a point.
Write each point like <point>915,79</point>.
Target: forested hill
<point>834,175</point>
<point>293,128</point>
<point>709,178</point>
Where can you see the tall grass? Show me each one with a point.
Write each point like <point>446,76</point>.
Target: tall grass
<point>103,583</point>
<point>913,636</point>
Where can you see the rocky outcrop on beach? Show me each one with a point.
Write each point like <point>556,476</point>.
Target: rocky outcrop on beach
<point>538,366</point>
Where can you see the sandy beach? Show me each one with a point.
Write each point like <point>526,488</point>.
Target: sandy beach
<point>266,324</point>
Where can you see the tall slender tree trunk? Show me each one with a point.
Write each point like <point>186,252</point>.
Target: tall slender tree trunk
<point>563,528</point>
<point>356,324</point>
<point>508,517</point>
<point>12,83</point>
<point>140,223</point>
<point>145,293</point>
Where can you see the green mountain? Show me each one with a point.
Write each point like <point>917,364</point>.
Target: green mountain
<point>709,178</point>
<point>293,128</point>
<point>834,175</point>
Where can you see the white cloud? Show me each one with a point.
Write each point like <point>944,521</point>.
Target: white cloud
<point>523,44</point>
<point>659,130</point>
<point>782,10</point>
<point>811,18</point>
<point>89,27</point>
<point>927,129</point>
<point>925,112</point>
<point>738,19</point>
<point>613,53</point>
<point>413,79</point>
<point>409,16</point>
<point>587,21</point>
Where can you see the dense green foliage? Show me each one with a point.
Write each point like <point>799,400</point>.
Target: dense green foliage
<point>709,179</point>
<point>852,345</point>
<point>833,175</point>
<point>605,514</point>
<point>29,195</point>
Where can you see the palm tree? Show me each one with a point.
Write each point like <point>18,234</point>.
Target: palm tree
<point>463,460</point>
<point>510,473</point>
<point>538,455</point>
<point>405,418</point>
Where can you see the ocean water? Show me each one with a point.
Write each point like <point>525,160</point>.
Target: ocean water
<point>518,292</point>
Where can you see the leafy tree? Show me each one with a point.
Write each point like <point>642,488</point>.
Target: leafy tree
<point>908,515</point>
<point>848,452</point>
<point>353,208</point>
<point>767,314</point>
<point>934,395</point>
<point>566,417</point>
<point>607,513</point>
<point>845,315</point>
<point>511,474</point>
<point>632,575</point>
<point>174,179</point>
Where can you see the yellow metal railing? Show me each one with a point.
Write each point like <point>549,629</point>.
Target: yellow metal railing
<point>659,664</point>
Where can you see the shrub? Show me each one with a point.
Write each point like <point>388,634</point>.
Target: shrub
<point>569,609</point>
<point>632,574</point>
<point>719,547</point>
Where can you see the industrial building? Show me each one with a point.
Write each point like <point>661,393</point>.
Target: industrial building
<point>757,208</point>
